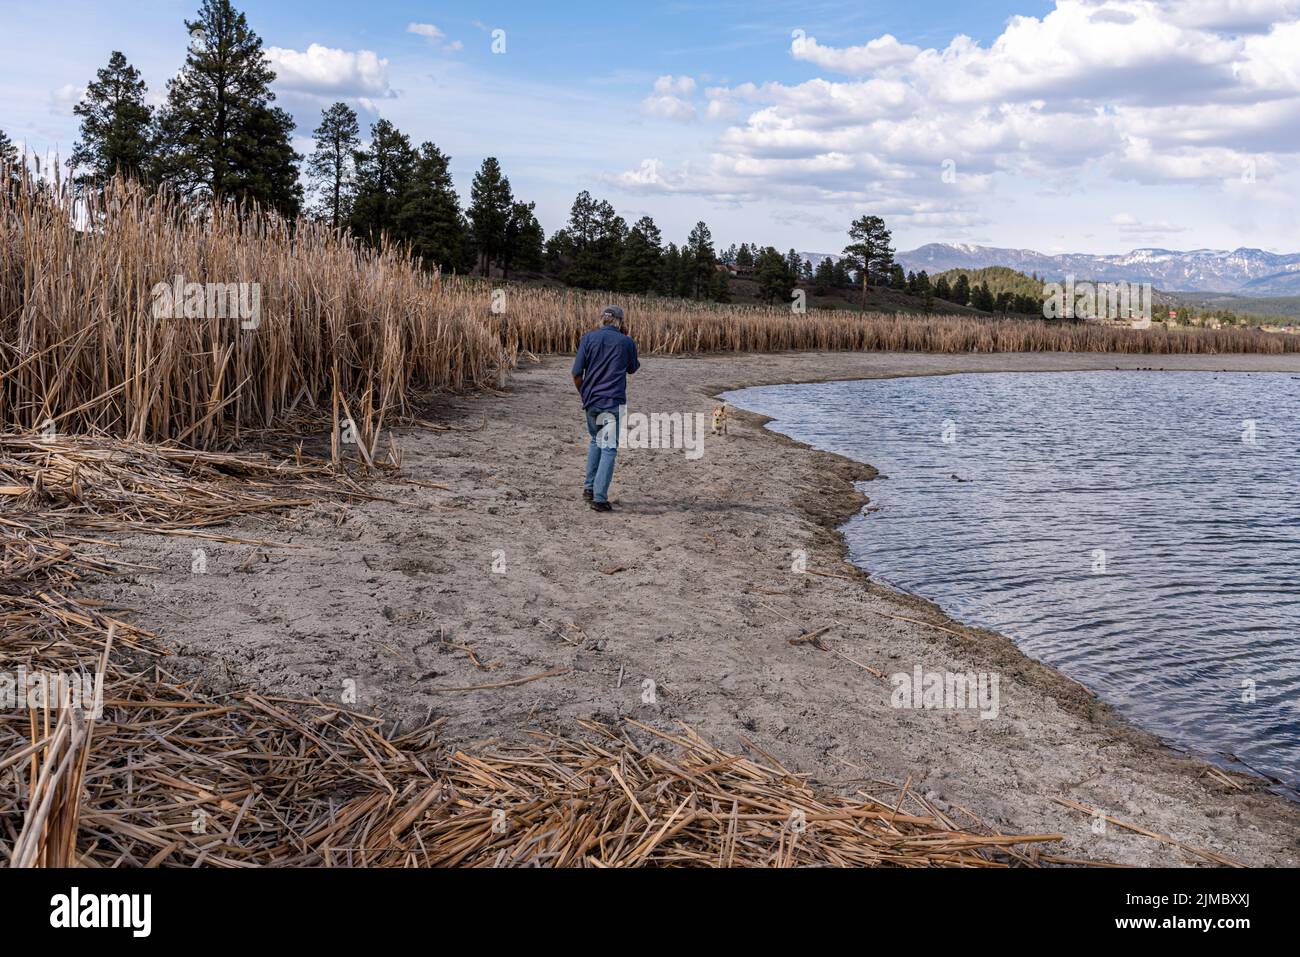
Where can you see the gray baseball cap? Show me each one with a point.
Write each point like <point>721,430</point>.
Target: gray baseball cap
<point>612,312</point>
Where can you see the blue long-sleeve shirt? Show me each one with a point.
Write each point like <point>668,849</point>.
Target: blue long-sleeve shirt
<point>605,359</point>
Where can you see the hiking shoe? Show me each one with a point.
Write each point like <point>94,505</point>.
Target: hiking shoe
<point>587,494</point>
<point>602,506</point>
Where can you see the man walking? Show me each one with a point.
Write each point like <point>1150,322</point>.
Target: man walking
<point>606,357</point>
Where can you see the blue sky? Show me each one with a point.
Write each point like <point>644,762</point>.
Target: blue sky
<point>1075,125</point>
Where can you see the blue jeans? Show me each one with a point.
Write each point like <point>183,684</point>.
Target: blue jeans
<point>603,426</point>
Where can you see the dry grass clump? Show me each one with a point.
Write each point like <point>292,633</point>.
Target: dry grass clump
<point>82,348</point>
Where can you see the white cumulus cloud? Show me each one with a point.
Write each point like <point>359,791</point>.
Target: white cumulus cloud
<point>670,99</point>
<point>327,72</point>
<point>1145,91</point>
<point>434,35</point>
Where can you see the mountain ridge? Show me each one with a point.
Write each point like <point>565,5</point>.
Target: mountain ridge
<point>1245,269</point>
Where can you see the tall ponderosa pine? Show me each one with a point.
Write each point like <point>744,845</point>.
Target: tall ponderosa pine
<point>525,239</point>
<point>332,164</point>
<point>384,171</point>
<point>116,125</point>
<point>642,261</point>
<point>489,213</point>
<point>871,253</point>
<point>594,241</point>
<point>430,217</point>
<point>670,275</point>
<point>606,252</point>
<point>824,277</point>
<point>219,136</point>
<point>704,261</point>
<point>772,273</point>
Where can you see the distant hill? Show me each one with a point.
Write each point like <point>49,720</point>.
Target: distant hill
<point>1252,272</point>
<point>999,279</point>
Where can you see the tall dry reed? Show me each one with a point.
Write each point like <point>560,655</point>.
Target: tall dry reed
<point>83,347</point>
<point>341,326</point>
<point>544,321</point>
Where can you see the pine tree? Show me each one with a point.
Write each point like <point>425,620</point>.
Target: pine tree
<point>670,277</point>
<point>331,168</point>
<point>116,126</point>
<point>745,257</point>
<point>273,179</point>
<point>597,233</point>
<point>489,213</point>
<point>559,253</point>
<point>524,239</point>
<point>642,260</point>
<point>384,171</point>
<point>219,137</point>
<point>608,248</point>
<point>429,217</point>
<point>824,277</point>
<point>704,261</point>
<point>772,272</point>
<point>871,252</point>
<point>961,290</point>
<point>720,286</point>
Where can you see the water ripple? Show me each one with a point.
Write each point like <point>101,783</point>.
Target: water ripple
<point>1139,531</point>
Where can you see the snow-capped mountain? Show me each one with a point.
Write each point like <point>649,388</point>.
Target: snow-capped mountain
<point>1248,271</point>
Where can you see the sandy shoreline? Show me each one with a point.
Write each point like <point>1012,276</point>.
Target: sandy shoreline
<point>689,586</point>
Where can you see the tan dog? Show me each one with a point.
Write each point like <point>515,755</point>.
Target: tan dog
<point>720,419</point>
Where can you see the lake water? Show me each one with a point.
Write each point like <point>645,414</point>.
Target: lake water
<point>1140,531</point>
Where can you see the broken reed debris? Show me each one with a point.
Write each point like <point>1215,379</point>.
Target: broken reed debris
<point>98,483</point>
<point>343,329</point>
<point>170,774</point>
<point>173,778</point>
